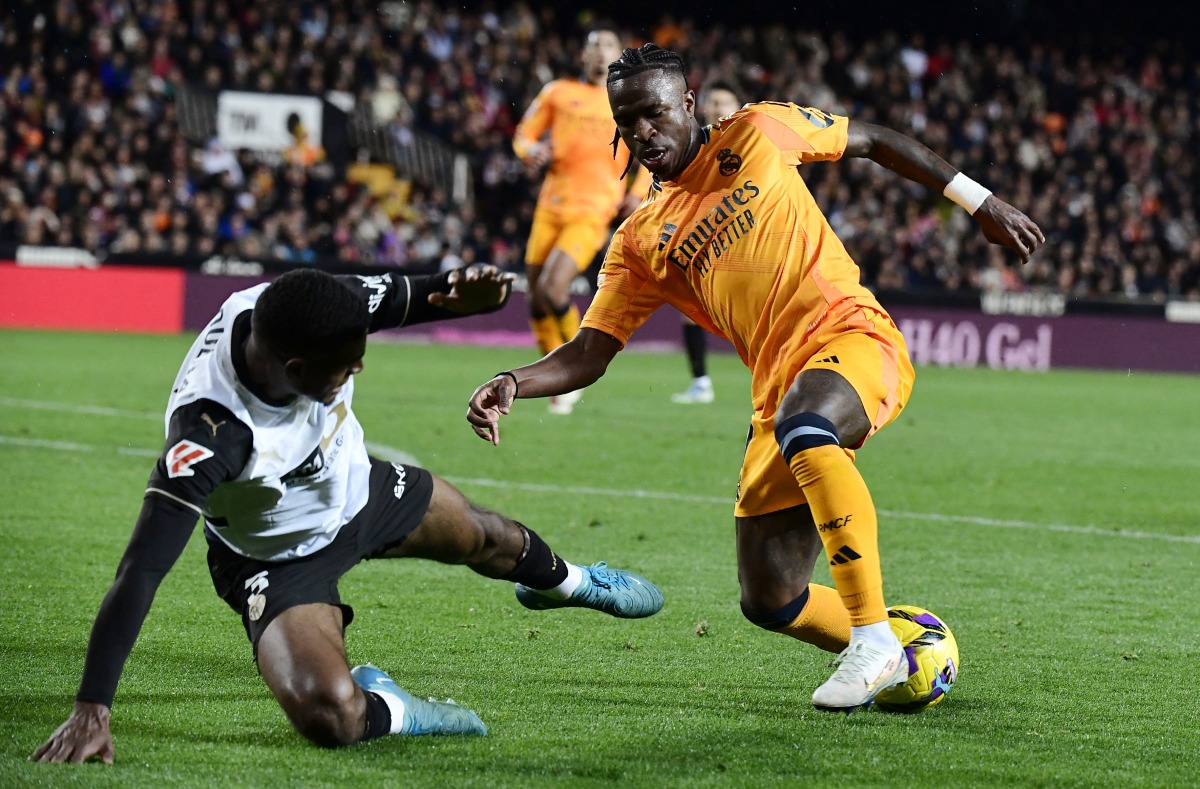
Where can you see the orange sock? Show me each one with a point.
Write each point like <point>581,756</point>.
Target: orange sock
<point>546,332</point>
<point>845,517</point>
<point>824,621</point>
<point>568,323</point>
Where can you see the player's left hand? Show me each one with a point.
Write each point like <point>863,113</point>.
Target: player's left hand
<point>1002,224</point>
<point>474,289</point>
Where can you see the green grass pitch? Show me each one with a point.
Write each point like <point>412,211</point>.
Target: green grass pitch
<point>1051,519</point>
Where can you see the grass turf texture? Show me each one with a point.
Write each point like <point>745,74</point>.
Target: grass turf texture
<point>1008,503</point>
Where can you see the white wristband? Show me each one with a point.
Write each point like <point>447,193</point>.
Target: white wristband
<point>967,193</point>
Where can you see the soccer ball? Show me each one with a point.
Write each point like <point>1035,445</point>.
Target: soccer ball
<point>932,660</point>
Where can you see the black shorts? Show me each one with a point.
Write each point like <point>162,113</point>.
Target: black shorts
<point>260,591</point>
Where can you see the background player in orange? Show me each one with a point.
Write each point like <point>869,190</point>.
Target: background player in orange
<point>731,237</point>
<point>717,100</point>
<point>568,128</point>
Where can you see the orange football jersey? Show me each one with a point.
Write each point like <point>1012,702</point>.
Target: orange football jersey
<point>737,243</point>
<point>584,178</point>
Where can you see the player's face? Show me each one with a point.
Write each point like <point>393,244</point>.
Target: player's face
<point>718,103</point>
<point>601,48</point>
<point>321,375</point>
<point>656,116</point>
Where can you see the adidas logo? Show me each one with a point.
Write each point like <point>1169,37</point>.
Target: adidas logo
<point>828,360</point>
<point>843,555</point>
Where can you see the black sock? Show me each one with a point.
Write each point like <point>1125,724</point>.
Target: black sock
<point>696,342</point>
<point>538,568</point>
<point>379,717</point>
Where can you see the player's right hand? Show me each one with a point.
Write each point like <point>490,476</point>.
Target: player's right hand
<point>539,155</point>
<point>488,404</point>
<point>84,735</point>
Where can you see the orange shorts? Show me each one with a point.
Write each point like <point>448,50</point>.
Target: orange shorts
<point>579,238</point>
<point>866,349</point>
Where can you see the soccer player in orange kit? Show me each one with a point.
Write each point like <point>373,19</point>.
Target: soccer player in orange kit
<point>584,188</point>
<point>731,236</point>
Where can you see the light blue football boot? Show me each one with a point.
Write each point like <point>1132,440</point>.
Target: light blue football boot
<point>617,592</point>
<point>420,716</point>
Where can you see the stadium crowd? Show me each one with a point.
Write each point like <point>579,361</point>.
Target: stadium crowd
<point>1096,142</point>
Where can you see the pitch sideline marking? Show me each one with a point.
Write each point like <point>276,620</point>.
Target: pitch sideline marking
<point>392,454</point>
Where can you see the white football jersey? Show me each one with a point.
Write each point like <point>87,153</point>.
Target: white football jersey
<point>308,471</point>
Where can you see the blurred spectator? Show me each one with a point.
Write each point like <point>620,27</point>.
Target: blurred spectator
<point>1096,143</point>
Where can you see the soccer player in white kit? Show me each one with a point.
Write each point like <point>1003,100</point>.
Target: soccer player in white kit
<point>263,444</point>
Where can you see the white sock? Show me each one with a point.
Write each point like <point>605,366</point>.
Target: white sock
<point>878,634</point>
<point>395,706</point>
<point>703,381</point>
<point>567,587</point>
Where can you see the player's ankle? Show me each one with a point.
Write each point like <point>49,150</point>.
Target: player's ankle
<point>877,634</point>
<point>568,586</point>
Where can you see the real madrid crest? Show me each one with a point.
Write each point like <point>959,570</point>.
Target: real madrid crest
<point>730,162</point>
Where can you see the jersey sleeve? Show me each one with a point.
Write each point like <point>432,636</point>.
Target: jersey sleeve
<point>397,300</point>
<point>534,122</point>
<point>627,294</point>
<point>802,134</point>
<point>206,445</point>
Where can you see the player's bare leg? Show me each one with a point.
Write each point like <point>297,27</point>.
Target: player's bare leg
<point>302,658</point>
<point>552,294</point>
<point>541,318</point>
<point>776,554</point>
<point>821,413</point>
<point>455,530</point>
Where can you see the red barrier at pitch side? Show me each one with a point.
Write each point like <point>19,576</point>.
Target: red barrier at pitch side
<point>110,298</point>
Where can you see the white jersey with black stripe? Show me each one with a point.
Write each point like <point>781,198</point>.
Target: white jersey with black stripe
<point>307,474</point>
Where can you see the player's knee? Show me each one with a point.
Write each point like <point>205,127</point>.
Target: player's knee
<point>549,293</point>
<point>324,712</point>
<point>493,536</point>
<point>806,430</point>
<point>769,616</point>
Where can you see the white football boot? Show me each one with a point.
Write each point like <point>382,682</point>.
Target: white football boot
<point>564,404</point>
<point>863,671</point>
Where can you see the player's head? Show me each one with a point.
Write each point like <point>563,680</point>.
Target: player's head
<point>315,329</point>
<point>601,47</point>
<point>654,110</point>
<point>717,100</point>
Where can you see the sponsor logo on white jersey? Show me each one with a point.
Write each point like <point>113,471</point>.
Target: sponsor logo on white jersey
<point>184,455</point>
<point>256,603</point>
<point>401,482</point>
<point>379,283</point>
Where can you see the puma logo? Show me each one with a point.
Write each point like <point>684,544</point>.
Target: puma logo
<point>211,423</point>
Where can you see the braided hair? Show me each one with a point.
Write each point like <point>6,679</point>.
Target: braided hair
<point>646,57</point>
<point>636,61</point>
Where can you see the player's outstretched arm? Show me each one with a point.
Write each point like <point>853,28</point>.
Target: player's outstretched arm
<point>162,532</point>
<point>574,365</point>
<point>1001,223</point>
<point>84,735</point>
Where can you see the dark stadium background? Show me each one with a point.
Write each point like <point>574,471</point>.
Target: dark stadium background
<point>1083,114</point>
<point>1103,24</point>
